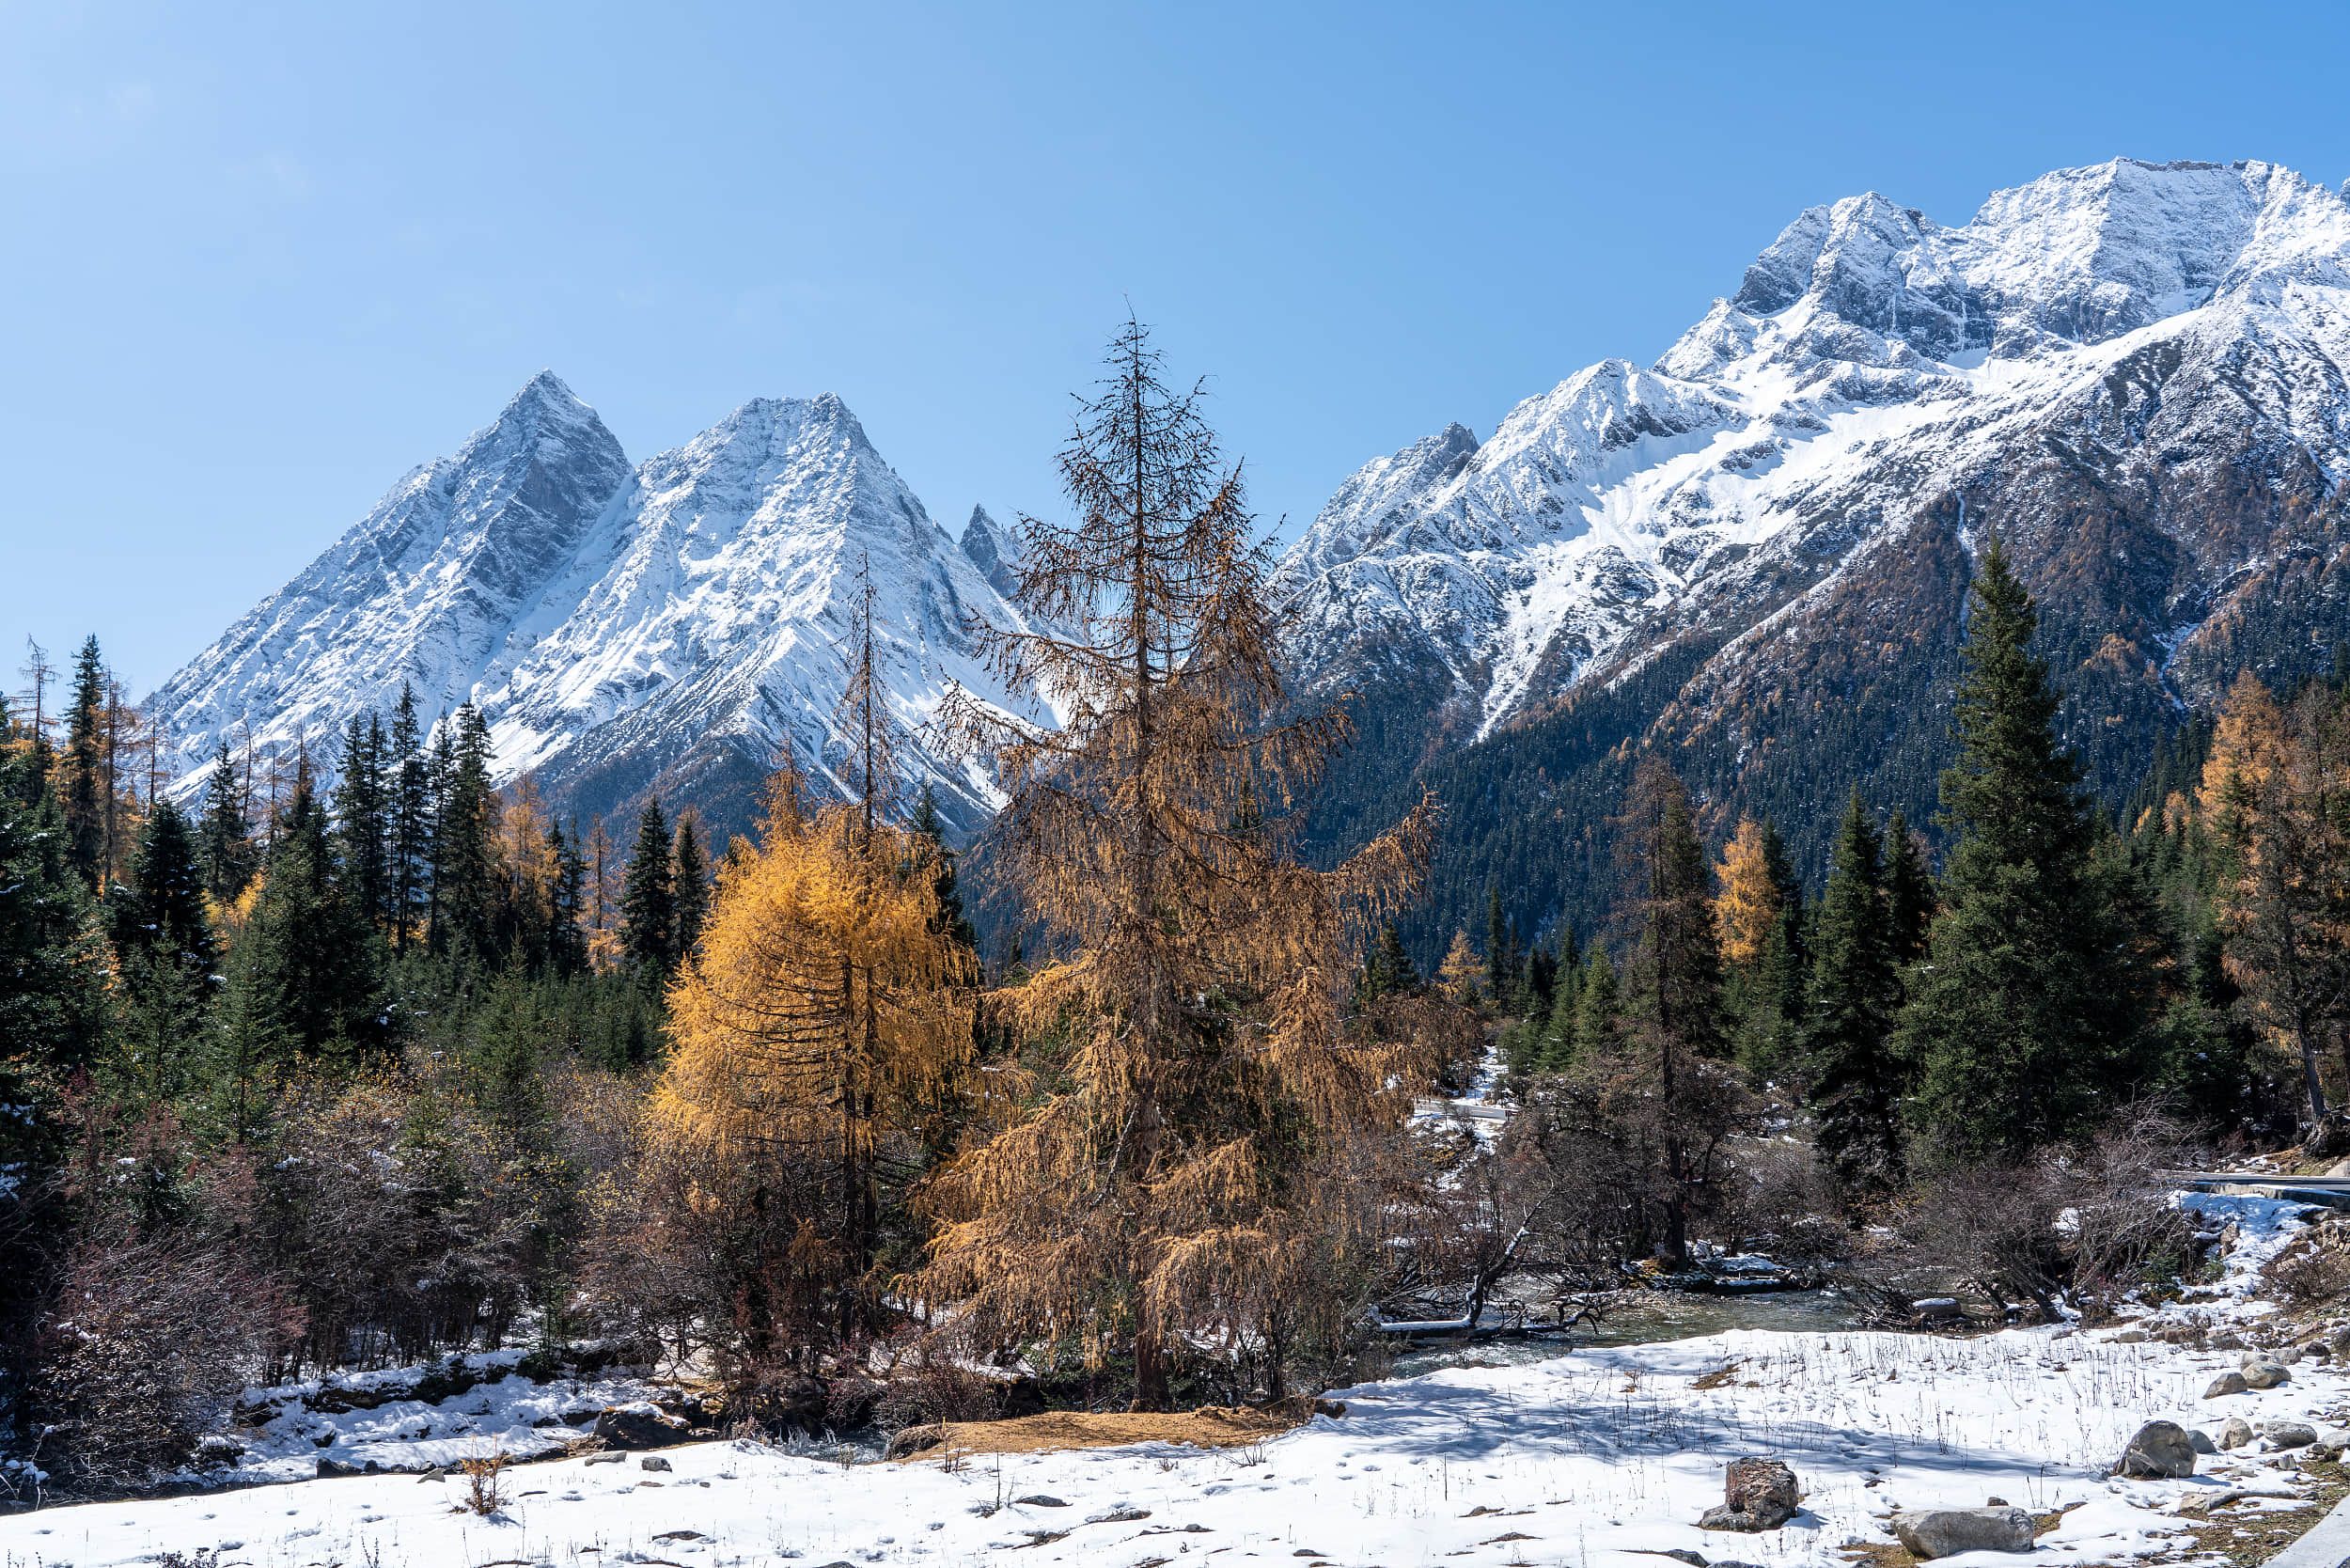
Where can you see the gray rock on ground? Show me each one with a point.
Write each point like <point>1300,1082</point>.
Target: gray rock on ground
<point>2264,1371</point>
<point>2200,1441</point>
<point>2161,1451</point>
<point>1757,1495</point>
<point>652,1462</point>
<point>2234,1433</point>
<point>639,1426</point>
<point>1946,1531</point>
<point>2288,1435</point>
<point>915,1439</point>
<point>2225,1384</point>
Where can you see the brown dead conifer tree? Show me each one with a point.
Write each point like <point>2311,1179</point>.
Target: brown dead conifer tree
<point>1193,1099</point>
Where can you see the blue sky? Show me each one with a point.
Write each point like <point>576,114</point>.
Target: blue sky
<point>259,261</point>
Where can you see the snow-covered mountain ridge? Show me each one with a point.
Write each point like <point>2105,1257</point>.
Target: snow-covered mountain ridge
<point>1753,554</point>
<point>1869,361</point>
<point>671,625</point>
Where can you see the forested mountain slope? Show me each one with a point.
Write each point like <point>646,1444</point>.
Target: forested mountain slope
<point>1755,553</point>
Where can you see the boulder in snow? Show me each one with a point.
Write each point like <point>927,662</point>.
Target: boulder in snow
<point>640,1425</point>
<point>2234,1433</point>
<point>1945,1532</point>
<point>2264,1371</point>
<point>2288,1435</point>
<point>2226,1384</point>
<point>2200,1441</point>
<point>1757,1495</point>
<point>2161,1451</point>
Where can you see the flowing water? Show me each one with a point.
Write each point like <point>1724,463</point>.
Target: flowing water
<point>1646,1317</point>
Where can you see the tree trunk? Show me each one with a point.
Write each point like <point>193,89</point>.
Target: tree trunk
<point>1150,1391</point>
<point>2309,1080</point>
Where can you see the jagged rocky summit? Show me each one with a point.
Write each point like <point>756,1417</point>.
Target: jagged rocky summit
<point>672,626</point>
<point>1754,552</point>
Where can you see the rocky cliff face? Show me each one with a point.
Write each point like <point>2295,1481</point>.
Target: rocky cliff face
<point>1756,551</point>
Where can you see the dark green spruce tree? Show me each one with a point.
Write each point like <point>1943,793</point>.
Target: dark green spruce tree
<point>1909,890</point>
<point>2024,1019</point>
<point>648,902</point>
<point>567,935</point>
<point>951,919</point>
<point>1505,965</point>
<point>83,765</point>
<point>167,958</point>
<point>1856,1084</point>
<point>1597,1032</point>
<point>1389,971</point>
<point>307,959</point>
<point>52,961</point>
<point>465,852</point>
<point>362,833</point>
<point>1676,989</point>
<point>407,823</point>
<point>224,833</point>
<point>54,1017</point>
<point>689,869</point>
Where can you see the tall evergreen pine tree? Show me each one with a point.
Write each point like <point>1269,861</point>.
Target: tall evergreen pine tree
<point>1848,1034</point>
<point>690,880</point>
<point>224,835</point>
<point>2021,1019</point>
<point>648,902</point>
<point>85,765</point>
<point>408,812</point>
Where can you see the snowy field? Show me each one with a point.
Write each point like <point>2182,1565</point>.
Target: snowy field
<point>1598,1457</point>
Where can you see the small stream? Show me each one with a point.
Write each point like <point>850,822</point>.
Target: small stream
<point>1645,1317</point>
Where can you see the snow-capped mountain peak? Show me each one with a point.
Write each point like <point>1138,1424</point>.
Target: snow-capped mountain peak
<point>672,627</point>
<point>421,591</point>
<point>1869,360</point>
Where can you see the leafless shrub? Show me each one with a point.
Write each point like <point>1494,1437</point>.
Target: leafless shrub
<point>2057,1228</point>
<point>2315,1269</point>
<point>1781,1202</point>
<point>1624,1169</point>
<point>926,1391</point>
<point>147,1343</point>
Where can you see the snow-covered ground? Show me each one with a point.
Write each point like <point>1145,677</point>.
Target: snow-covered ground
<point>507,1411</point>
<point>1594,1458</point>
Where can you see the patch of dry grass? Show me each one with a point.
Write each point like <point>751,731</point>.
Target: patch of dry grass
<point>1210,1426</point>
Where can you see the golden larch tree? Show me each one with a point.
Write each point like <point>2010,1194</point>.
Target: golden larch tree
<point>823,1023</point>
<point>1459,973</point>
<point>1190,1095</point>
<point>2276,789</point>
<point>1749,903</point>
